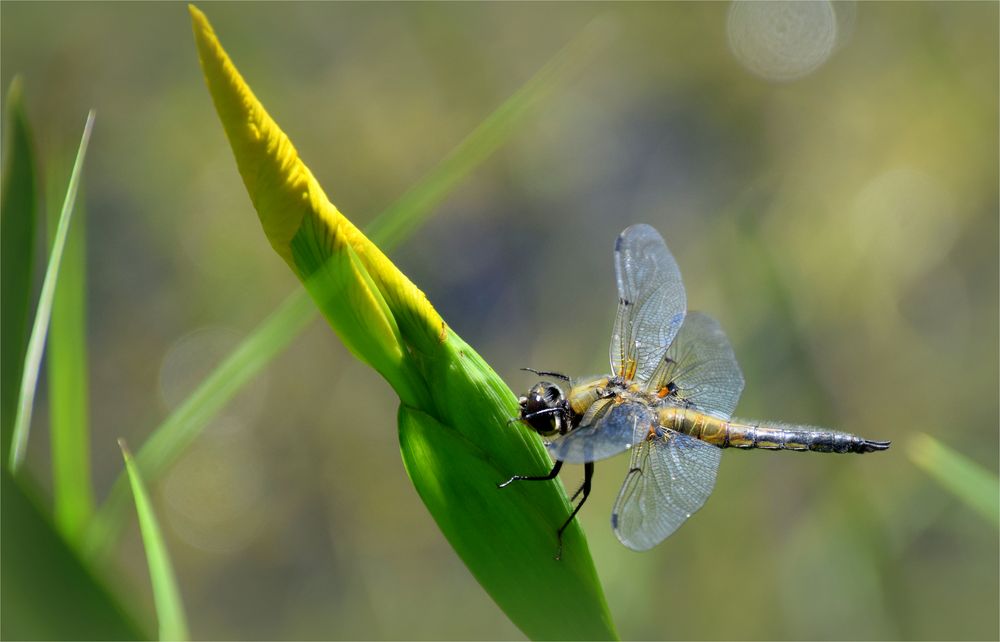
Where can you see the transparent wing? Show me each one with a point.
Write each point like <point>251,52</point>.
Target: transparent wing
<point>611,428</point>
<point>701,366</point>
<point>651,302</point>
<point>671,477</point>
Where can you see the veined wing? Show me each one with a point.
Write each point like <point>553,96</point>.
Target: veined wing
<point>607,429</point>
<point>651,302</point>
<point>671,477</point>
<point>701,366</point>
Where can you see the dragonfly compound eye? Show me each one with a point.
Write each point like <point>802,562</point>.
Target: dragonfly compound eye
<point>544,408</point>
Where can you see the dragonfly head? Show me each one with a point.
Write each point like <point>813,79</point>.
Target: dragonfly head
<point>544,409</point>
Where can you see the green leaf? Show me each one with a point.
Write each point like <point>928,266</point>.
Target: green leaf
<point>18,218</point>
<point>66,357</point>
<point>169,608</point>
<point>170,439</point>
<point>507,537</point>
<point>48,594</point>
<point>454,430</point>
<point>36,343</point>
<point>974,485</point>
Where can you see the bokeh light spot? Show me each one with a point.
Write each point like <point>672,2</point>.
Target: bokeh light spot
<point>193,357</point>
<point>213,492</point>
<point>781,41</point>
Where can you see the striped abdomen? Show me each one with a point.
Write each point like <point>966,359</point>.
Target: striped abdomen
<point>770,435</point>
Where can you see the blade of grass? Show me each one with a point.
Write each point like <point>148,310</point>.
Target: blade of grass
<point>975,486</point>
<point>390,228</point>
<point>169,607</point>
<point>66,359</point>
<point>36,344</point>
<point>18,218</point>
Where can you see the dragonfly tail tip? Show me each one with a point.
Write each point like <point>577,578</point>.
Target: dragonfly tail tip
<point>871,446</point>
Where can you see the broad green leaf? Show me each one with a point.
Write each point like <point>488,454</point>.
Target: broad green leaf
<point>169,608</point>
<point>66,358</point>
<point>36,343</point>
<point>48,594</point>
<point>975,486</point>
<point>18,218</point>
<point>390,228</point>
<point>454,434</point>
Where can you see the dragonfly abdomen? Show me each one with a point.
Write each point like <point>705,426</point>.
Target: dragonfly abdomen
<point>774,436</point>
<point>769,436</point>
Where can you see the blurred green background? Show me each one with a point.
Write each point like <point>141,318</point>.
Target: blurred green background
<point>833,203</point>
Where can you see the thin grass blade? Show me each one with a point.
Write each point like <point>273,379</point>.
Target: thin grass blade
<point>36,344</point>
<point>169,607</point>
<point>396,223</point>
<point>66,360</point>
<point>18,220</point>
<point>968,481</point>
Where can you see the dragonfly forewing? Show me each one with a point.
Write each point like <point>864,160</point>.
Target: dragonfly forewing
<point>651,302</point>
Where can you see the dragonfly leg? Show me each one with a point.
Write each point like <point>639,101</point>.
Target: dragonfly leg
<point>552,475</point>
<point>588,476</point>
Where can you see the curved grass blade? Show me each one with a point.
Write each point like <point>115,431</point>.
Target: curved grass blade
<point>169,608</point>
<point>18,220</point>
<point>66,359</point>
<point>388,230</point>
<point>36,344</point>
<point>453,425</point>
<point>964,478</point>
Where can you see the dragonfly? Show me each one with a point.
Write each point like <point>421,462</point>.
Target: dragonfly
<point>669,399</point>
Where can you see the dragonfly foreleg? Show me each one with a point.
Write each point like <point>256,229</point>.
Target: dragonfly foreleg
<point>551,475</point>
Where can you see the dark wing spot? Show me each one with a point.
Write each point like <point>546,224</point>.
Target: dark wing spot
<point>614,520</point>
